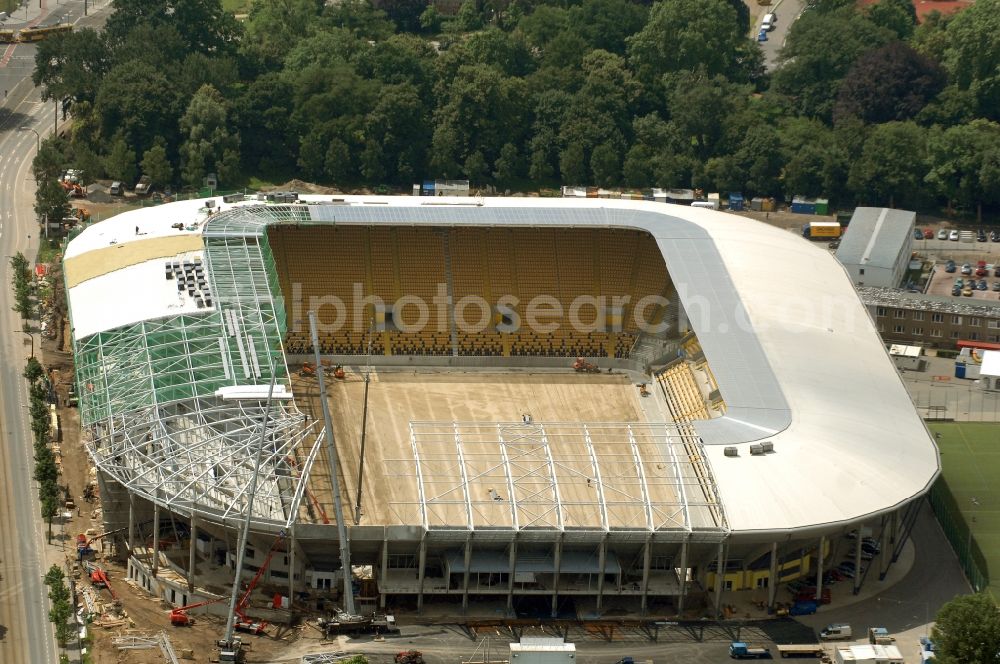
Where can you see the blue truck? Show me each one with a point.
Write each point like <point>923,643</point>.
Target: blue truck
<point>743,650</point>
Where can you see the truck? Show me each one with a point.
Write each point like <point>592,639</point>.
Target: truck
<point>821,230</point>
<point>880,636</point>
<point>144,186</point>
<point>801,650</point>
<point>743,650</point>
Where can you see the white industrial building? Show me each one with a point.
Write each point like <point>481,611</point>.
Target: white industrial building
<point>876,247</point>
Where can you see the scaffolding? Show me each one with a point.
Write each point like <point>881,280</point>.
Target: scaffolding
<point>153,395</point>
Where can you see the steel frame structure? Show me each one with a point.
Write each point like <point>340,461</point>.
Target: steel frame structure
<point>641,477</point>
<point>150,401</point>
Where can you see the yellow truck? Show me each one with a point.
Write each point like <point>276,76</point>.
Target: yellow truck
<point>821,230</point>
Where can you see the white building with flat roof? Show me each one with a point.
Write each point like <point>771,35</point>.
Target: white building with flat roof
<point>876,246</point>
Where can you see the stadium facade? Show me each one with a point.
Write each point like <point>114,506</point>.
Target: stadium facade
<point>751,414</point>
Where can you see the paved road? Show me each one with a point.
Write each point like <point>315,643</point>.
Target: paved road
<point>23,602</point>
<point>26,635</point>
<point>787,11</point>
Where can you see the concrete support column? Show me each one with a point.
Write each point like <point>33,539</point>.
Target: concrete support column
<point>467,572</point>
<point>684,576</point>
<point>720,577</point>
<point>557,554</point>
<point>131,524</point>
<point>511,568</point>
<point>647,561</point>
<point>385,572</point>
<point>192,551</point>
<point>291,564</point>
<point>602,563</point>
<point>884,556</point>
<point>820,555</point>
<point>155,554</point>
<point>857,561</point>
<point>772,580</point>
<point>421,571</point>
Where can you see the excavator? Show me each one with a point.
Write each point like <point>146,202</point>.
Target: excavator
<point>83,542</point>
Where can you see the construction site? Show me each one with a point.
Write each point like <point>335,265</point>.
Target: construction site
<point>289,447</point>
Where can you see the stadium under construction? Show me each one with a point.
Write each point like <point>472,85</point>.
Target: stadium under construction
<point>536,406</point>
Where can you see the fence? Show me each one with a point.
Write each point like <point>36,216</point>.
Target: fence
<point>960,535</point>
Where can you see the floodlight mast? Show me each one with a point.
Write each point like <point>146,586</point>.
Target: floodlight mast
<point>251,493</point>
<point>331,457</point>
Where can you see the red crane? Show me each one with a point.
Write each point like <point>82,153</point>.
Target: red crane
<point>243,623</point>
<point>179,616</point>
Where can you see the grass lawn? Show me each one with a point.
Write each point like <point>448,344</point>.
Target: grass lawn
<point>232,6</point>
<point>970,461</point>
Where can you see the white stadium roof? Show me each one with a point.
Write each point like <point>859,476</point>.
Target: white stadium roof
<point>793,350</point>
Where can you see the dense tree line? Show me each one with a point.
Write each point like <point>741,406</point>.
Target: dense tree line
<point>865,105</point>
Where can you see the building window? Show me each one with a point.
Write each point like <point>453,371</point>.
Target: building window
<point>936,333</point>
<point>918,315</point>
<point>956,320</point>
<point>899,313</point>
<point>937,318</point>
<point>993,338</point>
<point>974,322</point>
<point>880,312</point>
<point>918,331</point>
<point>953,335</point>
<point>861,271</point>
<point>973,336</point>
<point>993,324</point>
<point>898,329</point>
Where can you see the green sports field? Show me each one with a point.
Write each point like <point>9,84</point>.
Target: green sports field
<point>970,461</point>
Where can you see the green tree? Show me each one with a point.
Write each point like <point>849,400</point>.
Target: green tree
<point>49,495</point>
<point>892,165</point>
<point>900,16</point>
<point>468,18</point>
<point>820,49</point>
<point>204,25</point>
<point>973,55</point>
<point>686,35</point>
<point>209,146</point>
<point>963,164</point>
<point>120,162</point>
<point>51,201</point>
<point>273,27</point>
<point>967,631</point>
<point>157,166</point>
<point>71,65</point>
<point>33,370</point>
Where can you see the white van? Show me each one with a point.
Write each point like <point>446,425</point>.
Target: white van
<point>835,631</point>
<point>712,205</point>
<point>769,21</point>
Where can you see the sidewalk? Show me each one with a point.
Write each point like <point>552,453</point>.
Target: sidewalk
<point>28,15</point>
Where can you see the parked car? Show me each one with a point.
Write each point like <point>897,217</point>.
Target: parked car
<point>943,234</point>
<point>953,236</point>
<point>928,234</point>
<point>966,292</point>
<point>996,286</point>
<point>918,234</point>
<point>957,290</point>
<point>996,271</point>
<point>762,35</point>
<point>995,236</point>
<point>949,266</point>
<point>982,284</point>
<point>966,269</point>
<point>981,235</point>
<point>981,271</point>
<point>769,20</point>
